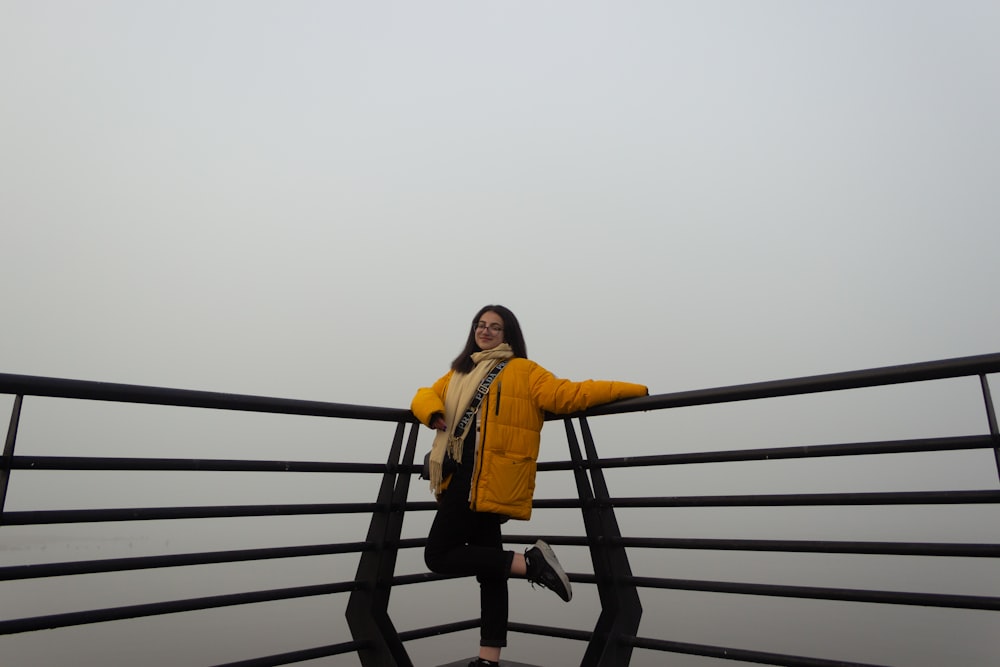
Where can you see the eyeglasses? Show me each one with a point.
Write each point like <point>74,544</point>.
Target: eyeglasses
<point>482,326</point>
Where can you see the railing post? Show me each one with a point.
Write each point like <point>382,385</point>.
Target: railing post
<point>368,607</point>
<point>620,606</point>
<point>991,417</point>
<point>8,451</point>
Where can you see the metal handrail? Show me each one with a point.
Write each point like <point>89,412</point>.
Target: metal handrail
<point>72,618</point>
<point>29,385</point>
<point>876,377</point>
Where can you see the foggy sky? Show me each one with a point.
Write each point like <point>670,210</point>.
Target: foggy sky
<point>269,198</point>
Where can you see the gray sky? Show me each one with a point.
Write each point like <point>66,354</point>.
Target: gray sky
<point>312,199</point>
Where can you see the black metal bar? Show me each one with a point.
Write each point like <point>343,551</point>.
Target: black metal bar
<point>695,649</point>
<point>875,377</point>
<point>549,631</point>
<point>8,451</point>
<point>818,593</point>
<point>991,418</point>
<point>941,549</point>
<point>803,499</point>
<point>127,393</point>
<point>437,630</point>
<point>957,443</point>
<point>420,505</point>
<point>422,577</point>
<point>620,599</point>
<point>368,607</point>
<point>562,503</point>
<point>299,656</point>
<point>39,570</point>
<point>965,497</point>
<point>64,388</point>
<point>39,517</point>
<point>741,655</point>
<point>64,620</point>
<point>916,445</point>
<point>602,569</point>
<point>575,541</point>
<point>187,465</point>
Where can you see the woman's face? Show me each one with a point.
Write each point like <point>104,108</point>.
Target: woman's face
<point>489,330</point>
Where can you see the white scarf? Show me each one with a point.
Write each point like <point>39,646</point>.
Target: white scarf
<point>461,388</point>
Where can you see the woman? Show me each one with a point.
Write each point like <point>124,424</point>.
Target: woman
<point>488,412</point>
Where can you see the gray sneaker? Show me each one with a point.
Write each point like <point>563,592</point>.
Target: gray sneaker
<point>544,569</point>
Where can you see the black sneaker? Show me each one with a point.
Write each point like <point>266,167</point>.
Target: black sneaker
<point>544,569</point>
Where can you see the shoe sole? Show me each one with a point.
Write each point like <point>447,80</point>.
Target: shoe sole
<point>553,562</point>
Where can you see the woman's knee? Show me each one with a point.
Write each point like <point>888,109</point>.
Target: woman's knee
<point>434,559</point>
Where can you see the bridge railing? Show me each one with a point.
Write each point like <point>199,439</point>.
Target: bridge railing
<point>374,637</point>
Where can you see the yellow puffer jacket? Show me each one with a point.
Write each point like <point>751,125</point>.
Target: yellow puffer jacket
<point>511,419</point>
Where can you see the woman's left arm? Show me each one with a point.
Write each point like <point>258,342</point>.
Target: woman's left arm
<point>561,396</point>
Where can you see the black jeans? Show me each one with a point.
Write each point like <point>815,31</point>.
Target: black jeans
<point>469,543</point>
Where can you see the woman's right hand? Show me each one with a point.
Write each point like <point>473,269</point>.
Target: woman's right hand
<point>437,423</point>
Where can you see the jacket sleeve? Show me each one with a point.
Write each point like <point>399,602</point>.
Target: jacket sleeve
<point>561,396</point>
<point>429,401</point>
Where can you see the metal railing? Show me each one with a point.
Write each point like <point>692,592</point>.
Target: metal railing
<point>613,639</point>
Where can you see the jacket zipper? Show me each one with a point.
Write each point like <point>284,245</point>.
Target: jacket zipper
<point>479,453</point>
<point>496,410</point>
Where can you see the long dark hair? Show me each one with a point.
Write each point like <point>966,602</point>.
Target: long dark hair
<point>511,335</point>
